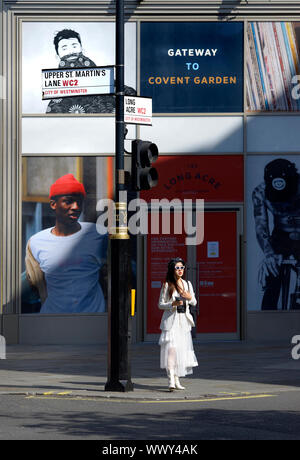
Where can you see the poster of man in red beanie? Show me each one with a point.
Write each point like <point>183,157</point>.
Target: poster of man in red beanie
<point>63,262</point>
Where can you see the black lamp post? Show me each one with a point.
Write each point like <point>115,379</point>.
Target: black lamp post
<point>119,327</point>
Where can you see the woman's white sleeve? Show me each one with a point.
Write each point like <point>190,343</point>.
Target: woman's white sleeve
<point>193,300</point>
<point>164,303</point>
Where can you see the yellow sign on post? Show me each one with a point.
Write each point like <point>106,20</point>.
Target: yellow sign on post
<point>132,302</point>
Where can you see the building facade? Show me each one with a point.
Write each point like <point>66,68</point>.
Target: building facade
<point>224,80</point>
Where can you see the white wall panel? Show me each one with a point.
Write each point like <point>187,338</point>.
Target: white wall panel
<point>70,135</point>
<point>196,134</point>
<point>273,134</point>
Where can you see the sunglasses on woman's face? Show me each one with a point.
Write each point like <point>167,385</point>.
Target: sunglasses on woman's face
<point>179,268</point>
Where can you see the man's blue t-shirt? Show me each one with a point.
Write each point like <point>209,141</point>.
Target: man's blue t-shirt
<point>71,266</point>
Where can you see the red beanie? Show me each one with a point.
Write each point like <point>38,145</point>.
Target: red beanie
<point>67,185</point>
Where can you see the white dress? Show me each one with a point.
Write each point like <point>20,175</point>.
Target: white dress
<point>176,344</point>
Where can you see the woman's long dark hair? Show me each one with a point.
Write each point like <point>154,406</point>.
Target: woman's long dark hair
<point>170,278</point>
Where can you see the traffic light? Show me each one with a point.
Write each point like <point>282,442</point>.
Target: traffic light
<point>143,175</point>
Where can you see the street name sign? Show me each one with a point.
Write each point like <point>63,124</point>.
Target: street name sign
<point>138,110</point>
<point>70,82</point>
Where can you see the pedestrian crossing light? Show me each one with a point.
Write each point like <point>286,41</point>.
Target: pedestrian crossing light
<point>143,175</point>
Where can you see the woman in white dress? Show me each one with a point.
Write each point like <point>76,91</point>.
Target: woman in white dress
<point>176,353</point>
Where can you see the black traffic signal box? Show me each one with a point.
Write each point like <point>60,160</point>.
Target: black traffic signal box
<point>143,175</point>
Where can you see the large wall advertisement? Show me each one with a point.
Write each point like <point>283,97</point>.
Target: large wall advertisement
<point>214,178</point>
<point>194,67</point>
<point>60,45</point>
<point>64,256</point>
<point>273,232</point>
<point>273,64</point>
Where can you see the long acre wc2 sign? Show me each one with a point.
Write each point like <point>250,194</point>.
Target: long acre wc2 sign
<point>57,83</point>
<point>194,66</point>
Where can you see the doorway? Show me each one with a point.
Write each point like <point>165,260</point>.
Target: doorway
<point>213,267</point>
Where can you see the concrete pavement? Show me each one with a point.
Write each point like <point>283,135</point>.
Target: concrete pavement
<point>225,370</point>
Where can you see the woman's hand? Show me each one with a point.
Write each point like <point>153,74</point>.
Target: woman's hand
<point>186,295</point>
<point>176,303</point>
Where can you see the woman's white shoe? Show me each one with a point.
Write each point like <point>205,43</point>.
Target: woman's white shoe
<point>171,376</point>
<point>178,386</point>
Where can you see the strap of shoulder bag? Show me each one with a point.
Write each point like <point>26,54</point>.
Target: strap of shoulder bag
<point>188,283</point>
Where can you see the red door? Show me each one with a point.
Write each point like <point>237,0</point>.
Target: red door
<point>212,268</point>
<point>160,249</point>
<point>217,274</point>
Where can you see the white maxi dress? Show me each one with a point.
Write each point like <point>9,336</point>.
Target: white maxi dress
<point>176,344</point>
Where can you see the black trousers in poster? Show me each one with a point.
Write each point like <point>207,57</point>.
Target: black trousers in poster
<point>282,244</point>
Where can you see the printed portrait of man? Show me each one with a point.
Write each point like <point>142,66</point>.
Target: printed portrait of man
<point>68,44</point>
<point>68,47</point>
<point>64,262</point>
<point>276,202</point>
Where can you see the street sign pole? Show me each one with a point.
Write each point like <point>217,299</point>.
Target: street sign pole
<point>119,374</point>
